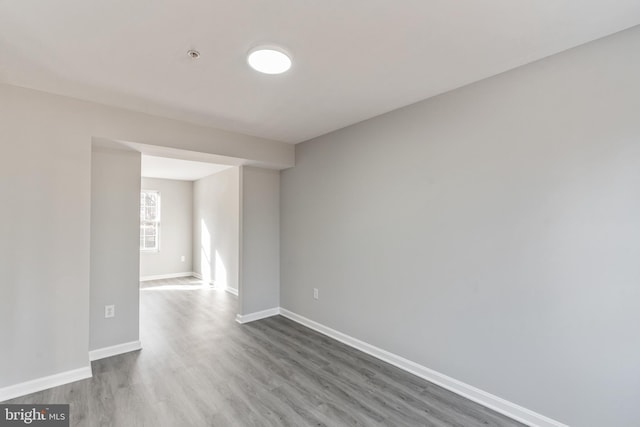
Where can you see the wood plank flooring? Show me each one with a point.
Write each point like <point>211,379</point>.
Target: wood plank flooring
<point>198,367</point>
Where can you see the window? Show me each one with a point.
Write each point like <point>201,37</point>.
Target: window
<point>149,220</point>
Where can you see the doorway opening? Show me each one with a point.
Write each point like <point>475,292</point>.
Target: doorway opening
<point>189,224</point>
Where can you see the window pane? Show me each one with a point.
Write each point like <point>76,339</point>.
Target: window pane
<point>149,219</point>
<point>150,214</point>
<point>150,242</point>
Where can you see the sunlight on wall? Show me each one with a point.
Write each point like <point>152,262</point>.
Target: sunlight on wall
<point>205,252</point>
<point>221,273</point>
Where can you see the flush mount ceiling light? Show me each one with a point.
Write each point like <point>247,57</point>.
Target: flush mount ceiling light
<point>193,54</point>
<point>269,60</point>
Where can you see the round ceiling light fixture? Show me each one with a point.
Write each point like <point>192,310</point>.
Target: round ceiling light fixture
<point>193,54</point>
<point>269,60</point>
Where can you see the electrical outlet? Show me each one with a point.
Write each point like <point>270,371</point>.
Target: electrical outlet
<point>182,258</point>
<point>315,293</point>
<point>109,311</point>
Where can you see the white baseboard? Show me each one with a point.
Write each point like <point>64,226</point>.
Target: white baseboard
<point>114,350</point>
<point>167,276</point>
<point>488,400</point>
<point>257,315</point>
<point>213,283</point>
<point>44,383</point>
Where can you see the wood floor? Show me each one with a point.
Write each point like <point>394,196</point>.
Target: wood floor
<point>200,368</point>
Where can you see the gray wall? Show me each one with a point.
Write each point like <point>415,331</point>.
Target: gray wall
<point>260,240</point>
<point>491,233</point>
<point>216,227</point>
<point>115,242</point>
<point>45,176</point>
<point>176,229</point>
<point>44,245</point>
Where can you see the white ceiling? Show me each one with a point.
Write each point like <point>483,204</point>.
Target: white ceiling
<point>185,170</point>
<point>352,59</point>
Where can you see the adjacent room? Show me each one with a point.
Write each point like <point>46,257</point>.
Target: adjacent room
<point>189,222</point>
<point>364,213</point>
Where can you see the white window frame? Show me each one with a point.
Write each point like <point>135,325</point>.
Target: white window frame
<point>156,222</point>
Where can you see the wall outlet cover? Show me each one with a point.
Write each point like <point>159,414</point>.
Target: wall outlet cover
<point>109,311</point>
